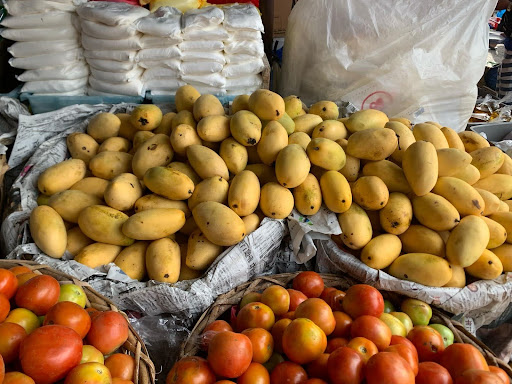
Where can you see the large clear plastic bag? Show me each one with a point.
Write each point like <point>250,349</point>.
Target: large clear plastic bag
<point>418,59</point>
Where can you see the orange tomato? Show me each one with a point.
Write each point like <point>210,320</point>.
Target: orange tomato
<point>191,370</point>
<point>92,355</point>
<point>364,347</point>
<point>362,299</point>
<point>117,380</point>
<point>121,365</point>
<point>255,315</point>
<point>335,300</point>
<point>262,344</point>
<point>315,381</point>
<point>211,330</point>
<point>224,382</point>
<point>89,373</point>
<point>277,298</point>
<point>230,354</point>
<point>2,369</point>
<point>430,372</point>
<point>70,315</point>
<point>303,341</point>
<point>458,358</point>
<point>345,366</point>
<point>38,294</point>
<point>500,372</point>
<point>334,344</point>
<point>5,307</point>
<point>396,339</point>
<point>19,270</point>
<point>388,368</point>
<point>17,378</point>
<point>318,368</point>
<point>319,312</point>
<point>309,283</point>
<point>372,329</point>
<point>109,330</point>
<point>288,315</point>
<point>289,373</point>
<point>343,324</point>
<point>11,336</point>
<point>27,319</point>
<point>325,293</point>
<point>428,342</point>
<point>8,283</point>
<point>255,374</point>
<point>477,376</point>
<point>277,333</point>
<point>408,354</point>
<point>296,297</point>
<point>24,277</point>
<point>250,297</point>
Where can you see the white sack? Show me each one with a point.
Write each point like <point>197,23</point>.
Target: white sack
<point>243,16</point>
<point>245,47</point>
<point>198,19</point>
<point>93,44</point>
<point>117,77</point>
<point>244,82</point>
<point>111,13</point>
<point>148,41</point>
<point>111,65</point>
<point>203,56</point>
<point>243,34</point>
<point>39,20</point>
<point>47,60</point>
<point>202,45</point>
<point>107,32</point>
<point>132,88</point>
<point>111,55</point>
<point>215,33</point>
<point>40,34</point>
<point>64,72</point>
<point>173,64</point>
<point>242,69</point>
<point>159,73</point>
<point>164,22</point>
<point>200,67</point>
<point>34,48</point>
<point>238,58</point>
<point>210,80</point>
<point>28,7</point>
<point>169,84</point>
<point>54,86</point>
<point>158,54</point>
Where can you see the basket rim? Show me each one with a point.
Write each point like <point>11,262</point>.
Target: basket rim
<point>144,372</point>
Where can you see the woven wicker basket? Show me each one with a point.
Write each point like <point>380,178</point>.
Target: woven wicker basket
<point>232,298</point>
<point>144,369</point>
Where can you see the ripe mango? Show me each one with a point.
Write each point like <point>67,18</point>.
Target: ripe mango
<point>487,267</point>
<point>472,141</point>
<point>104,125</point>
<point>430,133</point>
<point>326,154</point>
<point>356,228</point>
<point>82,146</point>
<point>420,239</point>
<point>451,161</point>
<point>244,193</point>
<point>336,191</point>
<point>132,260</point>
<point>487,160</point>
<point>91,185</point>
<point>169,183</point>
<point>207,105</point>
<point>497,233</point>
<point>206,162</point>
<point>219,224</point>
<point>422,268</point>
<point>293,106</point>
<point>300,138</point>
<point>146,117</point>
<point>470,174</point>
<point>420,167</point>
<point>366,119</point>
<point>405,139</point>
<point>108,165</point>
<point>292,166</point>
<point>390,173</point>
<point>76,241</point>
<point>267,105</point>
<point>327,110</point>
<point>241,103</point>
<point>182,136</point>
<point>69,204</point>
<point>104,225</point>
<point>504,253</point>
<point>212,189</point>
<point>265,173</point>
<point>245,128</point>
<point>152,201</point>
<point>201,252</point>
<point>163,260</point>
<point>61,176</point>
<point>308,196</point>
<point>330,129</point>
<point>463,196</point>
<point>185,98</point>
<point>467,241</point>
<point>505,219</point>
<point>506,168</point>
<point>435,212</point>
<point>307,123</point>
<point>491,201</point>
<point>370,193</point>
<point>276,201</point>
<point>48,231</point>
<point>499,184</point>
<point>381,251</point>
<point>396,216</point>
<point>97,254</point>
<point>372,144</point>
<point>453,139</point>
<point>458,279</point>
<point>273,139</point>
<point>234,154</point>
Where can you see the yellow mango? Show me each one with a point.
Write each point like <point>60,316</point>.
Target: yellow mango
<point>422,268</point>
<point>97,254</point>
<point>366,119</point>
<point>470,174</point>
<point>61,176</point>
<point>330,129</point>
<point>154,224</point>
<point>91,185</point>
<point>207,105</point>
<point>267,105</point>
<point>435,212</point>
<point>241,103</point>
<point>292,166</point>
<point>506,168</point>
<point>451,161</point>
<point>126,130</point>
<point>82,146</point>
<point>169,183</point>
<point>211,189</point>
<point>115,144</point>
<point>251,222</point>
<point>265,173</point>
<point>491,201</point>
<point>153,201</point>
<point>308,196</point>
<point>69,204</point>
<point>76,241</point>
<point>300,138</point>
<point>103,125</point>
<point>244,193</point>
<point>326,154</point>
<point>463,196</point>
<point>146,117</point>
<point>206,162</point>
<point>165,126</point>
<point>252,155</point>
<point>214,128</point>
<point>472,141</point>
<point>508,202</point>
<point>372,144</point>
<point>390,173</point>
<point>370,193</point>
<point>396,216</point>
<point>497,233</point>
<point>504,253</point>
<point>499,184</point>
<point>505,219</point>
<point>273,139</point>
<point>155,152</point>
<point>183,117</point>
<point>163,261</point>
<point>487,160</point>
<point>430,133</point>
<point>219,224</point>
<point>140,138</point>
<point>453,139</point>
<point>185,98</point>
<point>276,201</point>
<point>181,137</point>
<point>405,139</point>
<point>420,167</point>
<point>293,106</point>
<point>104,225</point>
<point>48,231</point>
<point>123,191</point>
<point>307,123</point>
<point>467,241</point>
<point>420,239</point>
<point>336,191</point>
<point>351,168</point>
<point>487,267</point>
<point>246,128</point>
<point>402,120</point>
<point>381,251</point>
<point>503,207</point>
<point>189,227</point>
<point>201,253</point>
<point>132,260</point>
<point>458,279</point>
<point>108,165</point>
<point>434,123</point>
<point>187,170</point>
<point>356,228</point>
<point>327,110</point>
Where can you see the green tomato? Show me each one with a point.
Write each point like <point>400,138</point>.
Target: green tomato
<point>404,318</point>
<point>275,359</point>
<point>419,311</point>
<point>445,332</point>
<point>388,306</point>
<point>73,293</point>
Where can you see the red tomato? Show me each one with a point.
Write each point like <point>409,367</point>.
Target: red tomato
<point>250,297</point>
<point>2,369</point>
<point>50,352</point>
<point>191,370</point>
<point>428,342</point>
<point>277,333</point>
<point>430,372</point>
<point>17,378</point>
<point>8,283</point>
<point>117,380</point>
<point>319,312</point>
<point>335,300</point>
<point>211,330</point>
<point>70,315</point>
<point>255,374</point>
<point>89,373</point>
<point>24,277</point>
<point>364,347</point>
<point>38,294</point>
<point>458,358</point>
<point>395,339</point>
<point>296,297</point>
<point>11,336</point>
<point>343,324</point>
<point>334,344</point>
<point>407,353</point>
<point>477,376</point>
<point>19,270</point>
<point>277,298</point>
<point>288,315</point>
<point>318,368</point>
<point>109,330</point>
<point>303,341</point>
<point>5,307</point>
<point>500,372</point>
<point>362,299</point>
<point>230,354</point>
<point>372,329</point>
<point>315,381</point>
<point>309,283</point>
<point>262,344</point>
<point>388,368</point>
<point>224,382</point>
<point>345,366</point>
<point>325,293</point>
<point>121,365</point>
<point>288,373</point>
<point>255,315</point>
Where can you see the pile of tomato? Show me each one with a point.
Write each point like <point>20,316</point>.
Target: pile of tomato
<point>47,335</point>
<point>312,334</point>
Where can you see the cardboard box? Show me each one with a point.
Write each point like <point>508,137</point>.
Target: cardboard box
<point>282,9</point>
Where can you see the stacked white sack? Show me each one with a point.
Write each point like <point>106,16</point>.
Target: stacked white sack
<point>244,50</point>
<point>111,42</point>
<point>47,46</point>
<point>160,54</point>
<point>203,50</point>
